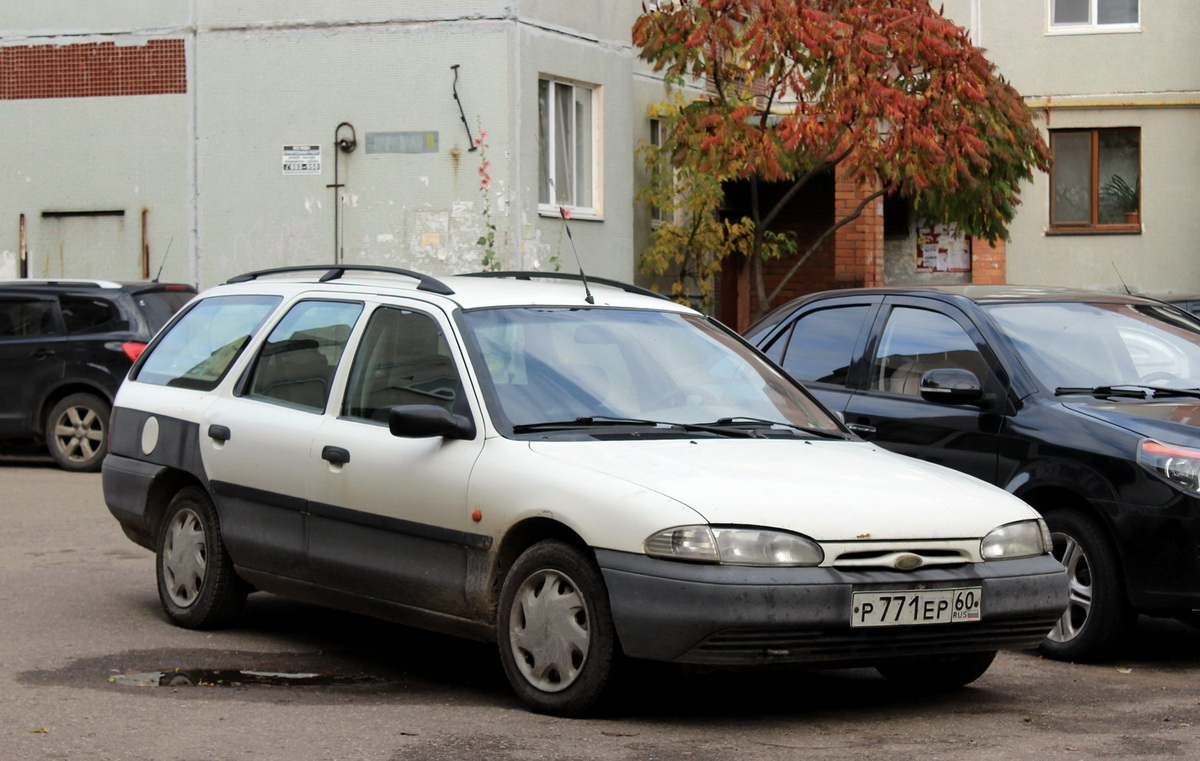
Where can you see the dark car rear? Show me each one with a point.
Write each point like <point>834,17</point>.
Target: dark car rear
<point>65,347</point>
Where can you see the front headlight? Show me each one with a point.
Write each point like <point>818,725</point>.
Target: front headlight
<point>1024,539</point>
<point>1178,465</point>
<point>735,546</point>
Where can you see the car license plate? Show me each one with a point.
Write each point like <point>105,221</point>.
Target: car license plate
<point>910,607</point>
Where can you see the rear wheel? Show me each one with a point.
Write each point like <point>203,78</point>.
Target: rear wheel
<point>939,673</point>
<point>197,585</point>
<point>556,635</point>
<point>77,432</point>
<point>1098,619</point>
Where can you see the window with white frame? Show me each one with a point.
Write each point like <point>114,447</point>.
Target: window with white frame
<point>1094,15</point>
<point>657,213</point>
<point>566,146</point>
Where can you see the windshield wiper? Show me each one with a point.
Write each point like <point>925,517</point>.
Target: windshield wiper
<point>821,432</point>
<point>592,421</point>
<point>1130,390</point>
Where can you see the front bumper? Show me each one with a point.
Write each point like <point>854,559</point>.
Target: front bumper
<point>730,615</point>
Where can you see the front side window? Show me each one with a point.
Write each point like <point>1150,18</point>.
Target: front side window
<point>403,358</point>
<point>821,346</point>
<point>566,146</point>
<point>916,341</point>
<point>295,364</point>
<point>200,347</point>
<point>1094,15</point>
<point>1096,180</point>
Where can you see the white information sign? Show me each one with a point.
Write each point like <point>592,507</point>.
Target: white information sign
<point>301,159</point>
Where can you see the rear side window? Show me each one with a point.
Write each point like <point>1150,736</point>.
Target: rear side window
<point>296,363</point>
<point>199,349</point>
<point>86,314</point>
<point>821,347</point>
<point>26,318</point>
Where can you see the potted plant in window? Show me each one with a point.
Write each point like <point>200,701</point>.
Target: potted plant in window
<point>1122,198</point>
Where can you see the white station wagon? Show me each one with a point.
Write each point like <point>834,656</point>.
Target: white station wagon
<point>576,469</point>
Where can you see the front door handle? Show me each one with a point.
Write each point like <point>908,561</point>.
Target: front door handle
<point>336,455</point>
<point>41,353</point>
<point>861,429</point>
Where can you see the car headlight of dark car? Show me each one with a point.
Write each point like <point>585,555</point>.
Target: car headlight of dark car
<point>735,546</point>
<point>1023,539</point>
<point>1177,465</point>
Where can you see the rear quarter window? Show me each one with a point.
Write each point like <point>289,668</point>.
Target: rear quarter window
<point>203,344</point>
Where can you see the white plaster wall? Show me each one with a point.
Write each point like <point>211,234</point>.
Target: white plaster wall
<point>77,154</point>
<point>1155,72</point>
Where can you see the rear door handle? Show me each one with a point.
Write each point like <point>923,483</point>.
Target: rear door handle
<point>219,432</point>
<point>336,455</point>
<point>41,353</point>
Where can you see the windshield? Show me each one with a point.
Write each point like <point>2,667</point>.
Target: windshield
<point>1077,346</point>
<point>546,365</point>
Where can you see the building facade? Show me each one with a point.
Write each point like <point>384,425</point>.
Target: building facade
<point>195,140</point>
<point>203,139</point>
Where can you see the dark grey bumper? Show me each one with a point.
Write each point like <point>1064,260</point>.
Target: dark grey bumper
<point>671,611</point>
<point>127,484</point>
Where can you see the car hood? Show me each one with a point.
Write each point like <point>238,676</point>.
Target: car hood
<point>1176,421</point>
<point>827,490</point>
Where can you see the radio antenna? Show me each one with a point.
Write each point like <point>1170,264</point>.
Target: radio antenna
<point>564,215</point>
<point>163,263</point>
<point>1127,291</point>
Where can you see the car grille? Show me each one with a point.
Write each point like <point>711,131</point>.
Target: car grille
<point>748,646</point>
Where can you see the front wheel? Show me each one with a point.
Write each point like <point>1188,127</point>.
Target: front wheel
<point>77,431</point>
<point>1098,619</point>
<point>556,635</point>
<point>197,585</point>
<point>939,673</point>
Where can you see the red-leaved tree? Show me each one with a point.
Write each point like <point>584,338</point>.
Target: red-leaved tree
<point>889,90</point>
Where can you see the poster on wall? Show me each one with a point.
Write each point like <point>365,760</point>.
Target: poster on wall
<point>942,248</point>
<point>301,159</point>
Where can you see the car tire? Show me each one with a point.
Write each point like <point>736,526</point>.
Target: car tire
<point>556,637</point>
<point>197,585</point>
<point>939,673</point>
<point>77,432</point>
<point>1098,619</point>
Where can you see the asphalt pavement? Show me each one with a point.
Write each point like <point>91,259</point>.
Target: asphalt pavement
<point>90,669</point>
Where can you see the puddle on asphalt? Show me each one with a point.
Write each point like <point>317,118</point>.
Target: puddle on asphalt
<point>234,678</point>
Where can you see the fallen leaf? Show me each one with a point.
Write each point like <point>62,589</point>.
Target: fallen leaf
<point>1124,671</point>
<point>42,731</point>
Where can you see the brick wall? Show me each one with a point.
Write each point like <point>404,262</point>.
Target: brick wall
<point>988,262</point>
<point>92,69</point>
<point>858,250</point>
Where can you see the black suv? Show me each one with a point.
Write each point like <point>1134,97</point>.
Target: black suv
<point>65,347</point>
<point>1085,404</point>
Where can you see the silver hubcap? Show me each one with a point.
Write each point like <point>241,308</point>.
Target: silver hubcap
<point>80,433</point>
<point>185,558</point>
<point>548,627</point>
<point>1079,588</point>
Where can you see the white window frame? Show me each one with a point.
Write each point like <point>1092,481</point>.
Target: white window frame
<point>551,153</point>
<point>1091,26</point>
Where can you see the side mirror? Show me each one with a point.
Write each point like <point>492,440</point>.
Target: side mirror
<point>951,385</point>
<point>422,421</point>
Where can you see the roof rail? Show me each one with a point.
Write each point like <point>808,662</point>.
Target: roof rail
<point>83,282</point>
<point>627,287</point>
<point>335,271</point>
